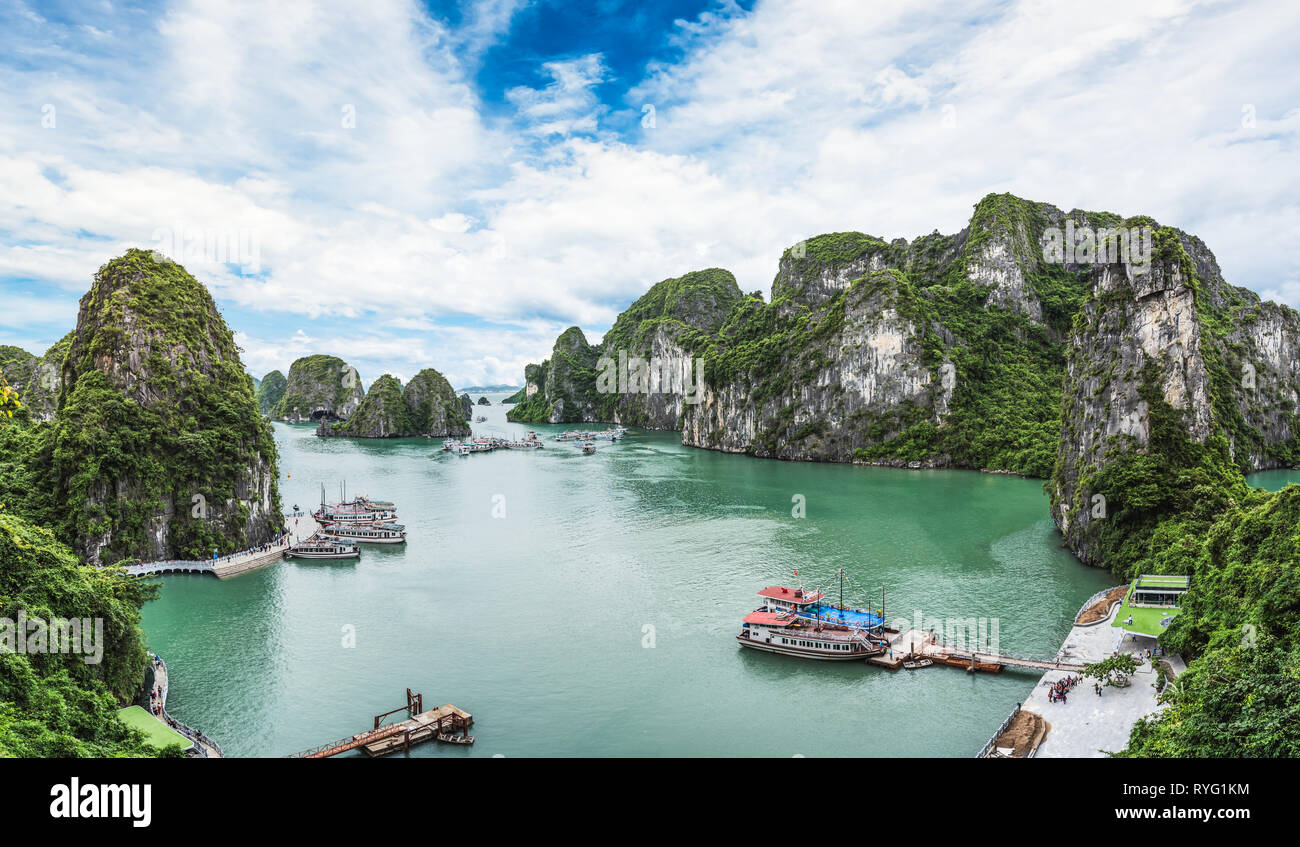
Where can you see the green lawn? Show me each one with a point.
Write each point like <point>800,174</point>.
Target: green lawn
<point>1145,621</point>
<point>156,733</point>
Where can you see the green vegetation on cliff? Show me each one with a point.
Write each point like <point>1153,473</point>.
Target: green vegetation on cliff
<point>1179,504</point>
<point>156,408</point>
<point>435,408</point>
<point>55,704</point>
<point>270,390</point>
<point>319,386</point>
<point>428,406</point>
<point>673,318</point>
<point>1240,627</point>
<point>382,414</point>
<point>571,379</point>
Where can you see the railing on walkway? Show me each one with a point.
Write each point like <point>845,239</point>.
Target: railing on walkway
<point>183,728</point>
<point>206,565</point>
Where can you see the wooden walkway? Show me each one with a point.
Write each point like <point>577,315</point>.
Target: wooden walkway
<point>914,642</point>
<point>440,724</point>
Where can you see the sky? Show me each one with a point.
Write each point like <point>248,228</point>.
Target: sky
<point>452,184</point>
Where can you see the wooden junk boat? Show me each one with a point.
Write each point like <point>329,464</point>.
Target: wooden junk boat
<point>795,622</point>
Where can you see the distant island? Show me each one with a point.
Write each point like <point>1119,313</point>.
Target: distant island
<point>488,389</point>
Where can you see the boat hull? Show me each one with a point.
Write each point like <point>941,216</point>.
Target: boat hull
<point>357,540</point>
<point>802,653</point>
<point>353,555</point>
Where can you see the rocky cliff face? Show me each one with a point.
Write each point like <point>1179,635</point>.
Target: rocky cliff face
<point>382,414</point>
<point>663,329</point>
<point>866,361</point>
<point>37,379</point>
<point>438,412</point>
<point>426,407</point>
<point>563,388</point>
<point>159,450</point>
<point>945,350</point>
<point>320,388</point>
<point>270,390</point>
<point>1031,341</point>
<point>1164,366</point>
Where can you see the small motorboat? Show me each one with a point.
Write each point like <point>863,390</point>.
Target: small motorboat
<point>917,664</point>
<point>588,447</point>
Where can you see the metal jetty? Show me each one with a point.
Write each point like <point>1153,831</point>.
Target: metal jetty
<point>440,724</point>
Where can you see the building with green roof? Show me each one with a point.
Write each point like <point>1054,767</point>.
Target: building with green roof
<point>1151,603</point>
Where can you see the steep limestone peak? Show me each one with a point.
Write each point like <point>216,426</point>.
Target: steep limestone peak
<point>320,387</point>
<point>158,445</point>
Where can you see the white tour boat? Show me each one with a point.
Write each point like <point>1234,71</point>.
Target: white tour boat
<point>372,533</point>
<point>323,548</point>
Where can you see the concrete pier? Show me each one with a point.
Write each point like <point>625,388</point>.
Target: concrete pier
<point>300,528</point>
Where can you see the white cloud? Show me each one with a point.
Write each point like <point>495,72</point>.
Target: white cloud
<point>801,117</point>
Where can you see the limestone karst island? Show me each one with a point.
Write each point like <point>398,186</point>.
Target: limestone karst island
<point>732,380</point>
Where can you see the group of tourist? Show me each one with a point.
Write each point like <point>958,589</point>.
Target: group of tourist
<point>279,541</point>
<point>1056,694</point>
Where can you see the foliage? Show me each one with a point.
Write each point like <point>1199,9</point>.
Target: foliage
<point>1233,701</point>
<point>1114,670</point>
<point>129,442</point>
<point>270,390</point>
<point>316,382</point>
<point>55,704</point>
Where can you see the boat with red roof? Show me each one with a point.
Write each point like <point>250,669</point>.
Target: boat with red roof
<point>795,622</point>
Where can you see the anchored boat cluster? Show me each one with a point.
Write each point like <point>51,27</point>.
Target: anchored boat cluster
<point>584,440</point>
<point>345,525</point>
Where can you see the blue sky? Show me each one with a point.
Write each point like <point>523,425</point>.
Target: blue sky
<point>452,184</point>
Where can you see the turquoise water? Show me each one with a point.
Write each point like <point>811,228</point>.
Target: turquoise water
<point>1274,480</point>
<point>534,582</point>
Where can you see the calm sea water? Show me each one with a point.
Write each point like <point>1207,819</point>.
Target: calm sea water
<point>532,583</point>
<point>1274,480</point>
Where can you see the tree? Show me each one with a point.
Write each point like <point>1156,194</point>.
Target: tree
<point>1115,671</point>
<point>8,398</point>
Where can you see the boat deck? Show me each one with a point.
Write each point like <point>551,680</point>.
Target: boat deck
<point>848,617</point>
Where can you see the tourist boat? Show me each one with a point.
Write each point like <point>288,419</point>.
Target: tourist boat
<point>348,513</point>
<point>790,635</point>
<point>588,447</point>
<point>371,533</point>
<point>358,510</point>
<point>795,622</point>
<point>323,548</point>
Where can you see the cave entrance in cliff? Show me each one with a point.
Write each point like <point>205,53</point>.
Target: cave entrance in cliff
<point>319,414</point>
